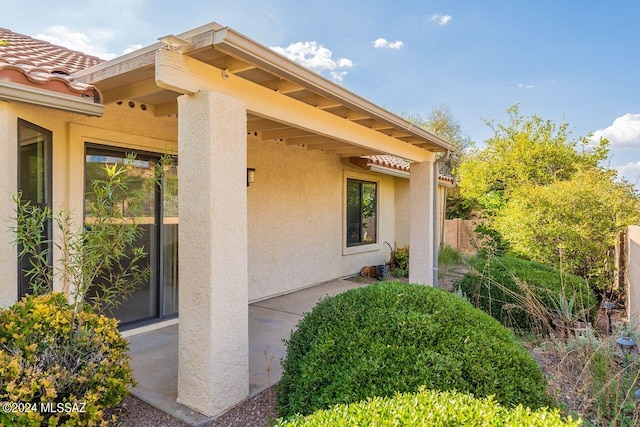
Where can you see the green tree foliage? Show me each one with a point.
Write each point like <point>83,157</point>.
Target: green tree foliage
<point>441,122</point>
<point>525,151</point>
<point>547,197</point>
<point>572,224</point>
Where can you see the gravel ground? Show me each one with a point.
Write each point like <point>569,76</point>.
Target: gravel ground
<point>255,412</point>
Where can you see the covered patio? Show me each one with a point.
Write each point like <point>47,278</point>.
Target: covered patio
<point>239,106</point>
<point>154,354</point>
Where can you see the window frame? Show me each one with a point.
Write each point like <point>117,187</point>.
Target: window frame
<point>355,248</point>
<point>47,134</point>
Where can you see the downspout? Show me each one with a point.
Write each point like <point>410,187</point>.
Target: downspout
<point>436,216</point>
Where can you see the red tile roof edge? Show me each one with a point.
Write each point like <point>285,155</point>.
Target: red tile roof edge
<point>393,162</point>
<point>42,65</point>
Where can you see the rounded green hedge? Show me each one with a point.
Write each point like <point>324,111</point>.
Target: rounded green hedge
<point>391,337</point>
<point>430,408</point>
<point>496,287</point>
<point>59,366</point>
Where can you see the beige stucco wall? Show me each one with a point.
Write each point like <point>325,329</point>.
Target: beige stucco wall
<point>402,212</point>
<point>633,276</point>
<point>296,214</point>
<point>295,207</point>
<point>8,186</point>
<point>121,126</point>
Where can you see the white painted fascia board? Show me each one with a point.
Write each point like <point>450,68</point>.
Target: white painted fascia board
<point>16,92</point>
<point>235,44</point>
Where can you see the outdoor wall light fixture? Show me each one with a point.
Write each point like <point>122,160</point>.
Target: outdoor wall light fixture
<point>251,176</point>
<point>626,344</point>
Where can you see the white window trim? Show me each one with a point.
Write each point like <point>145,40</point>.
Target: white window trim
<point>371,247</point>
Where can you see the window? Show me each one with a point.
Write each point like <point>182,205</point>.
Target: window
<point>34,182</point>
<point>154,205</point>
<point>362,207</point>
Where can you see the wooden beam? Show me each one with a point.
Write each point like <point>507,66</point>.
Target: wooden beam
<point>260,125</point>
<point>290,132</point>
<point>330,146</point>
<point>186,75</point>
<point>236,66</point>
<point>134,90</point>
<point>326,103</point>
<point>167,109</point>
<point>316,139</point>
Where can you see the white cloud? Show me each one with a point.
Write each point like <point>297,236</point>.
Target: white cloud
<point>630,171</point>
<point>317,58</point>
<point>624,132</point>
<point>132,48</point>
<point>63,36</point>
<point>441,19</point>
<point>524,86</point>
<point>383,43</point>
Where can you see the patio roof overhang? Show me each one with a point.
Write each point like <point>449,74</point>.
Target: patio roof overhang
<point>285,101</point>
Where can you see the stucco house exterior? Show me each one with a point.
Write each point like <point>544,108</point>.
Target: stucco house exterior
<point>335,177</point>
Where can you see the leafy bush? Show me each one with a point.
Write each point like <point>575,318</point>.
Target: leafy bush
<point>433,408</point>
<point>391,337</point>
<point>54,355</point>
<point>399,261</point>
<point>527,295</point>
<point>576,222</point>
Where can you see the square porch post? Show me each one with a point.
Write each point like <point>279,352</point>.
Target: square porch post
<point>213,365</point>
<point>8,188</point>
<point>421,225</point>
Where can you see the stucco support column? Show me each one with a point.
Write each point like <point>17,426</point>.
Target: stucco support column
<point>422,236</point>
<point>8,188</point>
<point>213,361</point>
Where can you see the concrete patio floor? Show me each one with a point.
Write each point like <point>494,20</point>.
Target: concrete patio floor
<point>154,354</point>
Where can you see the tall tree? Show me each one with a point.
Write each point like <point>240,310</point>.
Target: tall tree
<point>524,151</point>
<point>441,122</point>
<point>547,197</point>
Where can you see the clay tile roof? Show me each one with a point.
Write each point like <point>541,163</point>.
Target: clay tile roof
<point>394,162</point>
<point>40,64</point>
<point>389,161</point>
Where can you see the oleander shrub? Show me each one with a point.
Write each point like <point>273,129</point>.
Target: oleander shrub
<point>433,408</point>
<point>72,360</point>
<point>528,295</point>
<point>391,337</point>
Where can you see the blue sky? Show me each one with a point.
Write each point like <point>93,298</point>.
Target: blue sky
<point>568,61</point>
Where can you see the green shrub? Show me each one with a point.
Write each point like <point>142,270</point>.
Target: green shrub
<point>391,337</point>
<point>54,355</point>
<point>432,408</point>
<point>399,261</point>
<point>449,256</point>
<point>527,295</point>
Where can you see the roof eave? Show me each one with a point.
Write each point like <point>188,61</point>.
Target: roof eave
<point>16,92</point>
<point>235,44</point>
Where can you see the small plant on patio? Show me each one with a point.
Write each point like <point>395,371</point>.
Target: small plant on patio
<point>433,408</point>
<point>59,365</point>
<point>392,337</point>
<point>527,295</point>
<point>399,261</point>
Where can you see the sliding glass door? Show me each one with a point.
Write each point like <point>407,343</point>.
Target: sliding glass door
<point>153,193</point>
